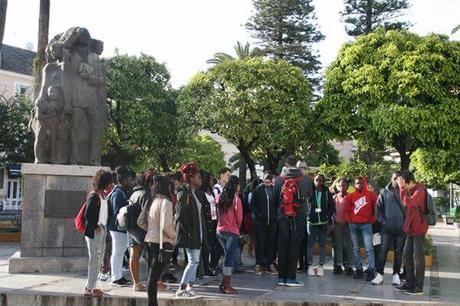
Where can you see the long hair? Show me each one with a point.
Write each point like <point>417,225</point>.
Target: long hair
<point>228,193</point>
<point>160,186</point>
<point>206,181</point>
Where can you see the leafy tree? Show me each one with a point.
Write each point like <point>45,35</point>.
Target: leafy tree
<point>16,139</point>
<point>143,126</point>
<point>321,154</point>
<point>251,102</point>
<point>242,52</point>
<point>206,152</point>
<point>394,89</point>
<point>286,30</point>
<point>364,16</point>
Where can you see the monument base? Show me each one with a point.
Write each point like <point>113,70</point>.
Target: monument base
<point>18,264</point>
<point>53,195</point>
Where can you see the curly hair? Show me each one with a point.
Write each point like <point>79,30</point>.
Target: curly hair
<point>228,193</point>
<point>102,179</point>
<point>188,171</point>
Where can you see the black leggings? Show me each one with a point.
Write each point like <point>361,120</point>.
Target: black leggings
<point>155,270</point>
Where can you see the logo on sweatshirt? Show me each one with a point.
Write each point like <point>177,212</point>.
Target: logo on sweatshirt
<point>360,203</point>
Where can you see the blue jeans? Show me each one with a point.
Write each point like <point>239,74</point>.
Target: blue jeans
<point>193,256</point>
<point>229,242</point>
<point>365,230</point>
<point>317,232</point>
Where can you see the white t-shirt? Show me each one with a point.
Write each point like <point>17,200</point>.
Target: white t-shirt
<point>217,190</point>
<point>212,203</point>
<point>103,211</point>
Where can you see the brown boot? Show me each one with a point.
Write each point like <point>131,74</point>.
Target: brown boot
<point>227,287</point>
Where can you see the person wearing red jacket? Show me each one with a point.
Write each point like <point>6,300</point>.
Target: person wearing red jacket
<point>360,215</point>
<point>413,196</point>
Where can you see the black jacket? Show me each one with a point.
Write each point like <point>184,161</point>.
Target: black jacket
<point>140,197</point>
<point>207,219</point>
<point>327,207</point>
<point>262,204</point>
<point>306,190</point>
<point>187,221</point>
<point>118,198</point>
<point>390,210</point>
<point>93,205</point>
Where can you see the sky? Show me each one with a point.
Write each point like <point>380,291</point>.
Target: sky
<point>183,34</point>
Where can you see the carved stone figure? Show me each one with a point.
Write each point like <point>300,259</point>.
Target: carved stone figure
<point>70,113</point>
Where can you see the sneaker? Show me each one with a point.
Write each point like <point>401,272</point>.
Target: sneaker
<point>191,292</point>
<point>294,283</point>
<point>358,274</point>
<point>378,279</point>
<point>369,275</point>
<point>396,281</point>
<point>415,291</point>
<point>104,277</point>
<point>184,294</point>
<point>272,270</point>
<point>258,270</point>
<point>120,282</point>
<point>281,282</point>
<point>349,271</point>
<point>402,288</point>
<point>338,270</point>
<point>311,271</point>
<point>320,271</point>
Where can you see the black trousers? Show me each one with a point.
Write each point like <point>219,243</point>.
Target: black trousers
<point>264,241</point>
<point>388,240</point>
<point>155,270</point>
<point>215,248</point>
<point>414,261</point>
<point>303,261</point>
<point>290,235</point>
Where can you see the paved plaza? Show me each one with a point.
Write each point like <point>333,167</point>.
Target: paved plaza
<point>442,285</point>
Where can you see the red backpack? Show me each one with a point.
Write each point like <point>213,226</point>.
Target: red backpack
<point>80,218</point>
<point>291,196</point>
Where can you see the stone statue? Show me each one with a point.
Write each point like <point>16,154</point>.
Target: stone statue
<point>70,112</point>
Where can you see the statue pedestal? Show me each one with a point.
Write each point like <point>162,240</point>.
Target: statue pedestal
<point>53,195</point>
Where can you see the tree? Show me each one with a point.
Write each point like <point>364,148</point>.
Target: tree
<point>143,127</point>
<point>241,51</point>
<point>251,102</point>
<point>3,7</point>
<point>43,30</point>
<point>364,16</point>
<point>16,139</point>
<point>206,152</point>
<point>322,154</point>
<point>394,89</point>
<point>286,30</point>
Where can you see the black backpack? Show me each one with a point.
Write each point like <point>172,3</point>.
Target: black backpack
<point>432,213</point>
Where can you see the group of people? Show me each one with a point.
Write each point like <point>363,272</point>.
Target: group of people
<point>284,215</point>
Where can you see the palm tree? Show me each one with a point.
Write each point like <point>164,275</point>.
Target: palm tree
<point>3,6</point>
<point>456,29</point>
<point>43,30</point>
<point>237,162</point>
<point>242,52</point>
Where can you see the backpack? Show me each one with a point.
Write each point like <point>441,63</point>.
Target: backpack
<point>290,193</point>
<point>432,213</point>
<point>80,220</point>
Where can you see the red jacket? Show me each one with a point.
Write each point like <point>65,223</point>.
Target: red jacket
<point>361,206</point>
<point>415,203</point>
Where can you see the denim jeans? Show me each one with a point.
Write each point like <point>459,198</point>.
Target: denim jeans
<point>365,230</point>
<point>342,242</point>
<point>229,242</point>
<point>389,239</point>
<point>119,246</point>
<point>96,248</point>
<point>193,257</point>
<point>414,261</point>
<point>317,232</point>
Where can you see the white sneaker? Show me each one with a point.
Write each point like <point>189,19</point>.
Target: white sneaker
<point>396,281</point>
<point>320,271</point>
<point>378,279</point>
<point>311,271</point>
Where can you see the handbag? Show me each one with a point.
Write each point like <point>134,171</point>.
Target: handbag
<point>166,249</point>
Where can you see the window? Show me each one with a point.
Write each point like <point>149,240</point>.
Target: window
<point>21,89</point>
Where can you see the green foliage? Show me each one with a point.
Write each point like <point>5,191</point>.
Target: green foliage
<point>286,30</point>
<point>206,152</point>
<point>377,174</point>
<point>394,89</point>
<point>16,139</point>
<point>143,127</point>
<point>253,103</point>
<point>242,52</point>
<point>364,16</point>
<point>437,168</point>
<point>429,247</point>
<point>322,154</point>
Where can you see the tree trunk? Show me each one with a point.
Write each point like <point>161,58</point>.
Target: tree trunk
<point>43,30</point>
<point>400,144</point>
<point>164,163</point>
<point>272,161</point>
<point>3,6</point>
<point>405,160</point>
<point>249,162</point>
<point>242,172</point>
<point>370,5</point>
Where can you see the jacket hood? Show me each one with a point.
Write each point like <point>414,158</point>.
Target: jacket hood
<point>364,185</point>
<point>291,172</point>
<point>390,187</point>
